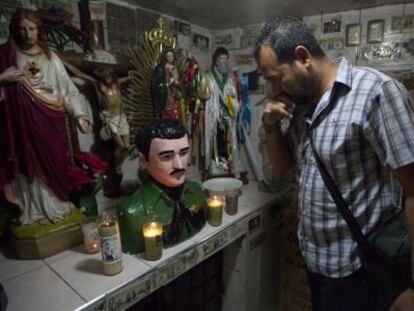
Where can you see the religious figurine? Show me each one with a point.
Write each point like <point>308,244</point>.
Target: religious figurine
<point>108,79</point>
<point>166,88</point>
<point>221,110</point>
<point>194,92</point>
<point>190,71</point>
<point>35,94</point>
<point>114,119</point>
<point>165,195</point>
<point>98,69</point>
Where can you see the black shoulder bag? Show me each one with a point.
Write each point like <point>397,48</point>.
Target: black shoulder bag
<point>384,254</point>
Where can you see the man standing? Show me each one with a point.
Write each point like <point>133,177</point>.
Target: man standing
<point>220,142</point>
<point>165,195</point>
<point>362,126</point>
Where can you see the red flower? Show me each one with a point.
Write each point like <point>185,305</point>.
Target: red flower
<point>91,162</point>
<point>89,170</point>
<point>78,178</point>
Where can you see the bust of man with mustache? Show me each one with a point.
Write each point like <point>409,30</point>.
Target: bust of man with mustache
<point>164,195</point>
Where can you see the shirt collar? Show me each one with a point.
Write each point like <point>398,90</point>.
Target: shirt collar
<point>344,72</point>
<point>157,193</point>
<point>342,85</point>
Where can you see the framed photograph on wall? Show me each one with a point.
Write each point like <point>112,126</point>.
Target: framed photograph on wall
<point>353,34</point>
<point>201,42</point>
<point>225,40</point>
<point>247,41</point>
<point>182,28</point>
<point>402,22</point>
<point>332,44</point>
<point>375,31</point>
<point>333,25</point>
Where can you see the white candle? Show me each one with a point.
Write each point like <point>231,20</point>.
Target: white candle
<point>90,236</point>
<point>110,246</point>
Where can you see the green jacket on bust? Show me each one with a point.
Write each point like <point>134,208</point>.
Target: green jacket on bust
<point>181,219</point>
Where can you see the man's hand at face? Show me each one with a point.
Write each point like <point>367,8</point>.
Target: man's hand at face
<point>275,110</point>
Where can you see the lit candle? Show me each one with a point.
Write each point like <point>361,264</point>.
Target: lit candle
<point>215,210</point>
<point>152,232</point>
<point>95,246</point>
<point>110,246</point>
<point>90,236</point>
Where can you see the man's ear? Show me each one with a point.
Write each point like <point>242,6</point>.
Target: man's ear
<point>302,55</point>
<point>142,160</point>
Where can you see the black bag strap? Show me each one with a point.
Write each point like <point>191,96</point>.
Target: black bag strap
<point>342,206</point>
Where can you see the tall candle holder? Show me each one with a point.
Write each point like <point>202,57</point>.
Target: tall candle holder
<point>152,232</point>
<point>110,245</point>
<point>232,200</point>
<point>215,210</point>
<point>90,236</point>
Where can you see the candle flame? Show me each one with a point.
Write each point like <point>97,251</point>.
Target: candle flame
<point>152,229</point>
<point>215,203</point>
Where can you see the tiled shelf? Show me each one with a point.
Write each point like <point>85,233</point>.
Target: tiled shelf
<point>77,278</point>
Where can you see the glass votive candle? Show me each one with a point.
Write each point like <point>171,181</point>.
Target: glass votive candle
<point>215,210</point>
<point>152,232</point>
<point>232,199</point>
<point>90,236</point>
<point>110,245</point>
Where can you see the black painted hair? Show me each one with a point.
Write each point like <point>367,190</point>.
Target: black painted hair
<point>159,128</point>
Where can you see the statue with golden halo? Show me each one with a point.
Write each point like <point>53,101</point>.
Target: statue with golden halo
<point>190,88</point>
<point>144,57</point>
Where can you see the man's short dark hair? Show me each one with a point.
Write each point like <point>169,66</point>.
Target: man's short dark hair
<point>159,128</point>
<point>283,34</point>
<point>219,51</point>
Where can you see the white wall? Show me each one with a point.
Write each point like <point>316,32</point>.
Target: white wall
<point>355,54</point>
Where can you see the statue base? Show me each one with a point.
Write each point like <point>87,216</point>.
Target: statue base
<point>41,241</point>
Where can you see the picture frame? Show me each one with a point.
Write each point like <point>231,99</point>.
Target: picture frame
<point>225,40</point>
<point>201,42</point>
<point>182,28</point>
<point>244,59</point>
<point>402,22</point>
<point>353,35</point>
<point>247,41</point>
<point>375,31</point>
<point>333,25</point>
<point>332,44</point>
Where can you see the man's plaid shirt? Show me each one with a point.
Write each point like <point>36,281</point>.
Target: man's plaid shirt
<point>363,132</point>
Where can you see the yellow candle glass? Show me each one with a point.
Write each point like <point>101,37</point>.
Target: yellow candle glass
<point>215,210</point>
<point>152,232</point>
<point>110,245</point>
<point>232,199</point>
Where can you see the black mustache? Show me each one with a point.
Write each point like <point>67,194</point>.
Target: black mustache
<point>178,170</point>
